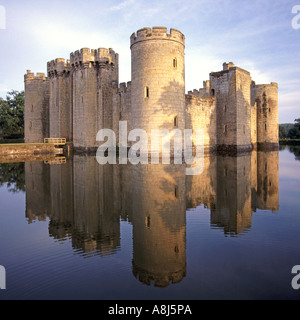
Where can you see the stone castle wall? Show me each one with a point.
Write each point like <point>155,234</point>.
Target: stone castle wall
<point>231,88</point>
<point>82,95</point>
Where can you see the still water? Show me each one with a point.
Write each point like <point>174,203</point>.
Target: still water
<point>79,230</point>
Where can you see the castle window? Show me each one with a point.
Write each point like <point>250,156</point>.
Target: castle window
<point>176,249</point>
<point>225,108</point>
<point>244,129</point>
<point>176,121</point>
<point>147,221</point>
<point>146,93</point>
<point>32,108</point>
<point>213,92</point>
<point>265,127</point>
<point>176,192</point>
<point>174,63</point>
<point>225,129</point>
<point>269,109</point>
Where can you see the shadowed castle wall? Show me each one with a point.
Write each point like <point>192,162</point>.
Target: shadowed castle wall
<point>231,87</point>
<point>60,105</point>
<point>265,97</point>
<point>36,112</point>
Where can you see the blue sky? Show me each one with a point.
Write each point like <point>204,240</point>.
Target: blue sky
<point>255,35</point>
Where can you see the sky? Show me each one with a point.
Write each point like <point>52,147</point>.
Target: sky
<point>256,35</point>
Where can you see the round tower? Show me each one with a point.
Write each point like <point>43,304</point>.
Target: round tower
<point>266,99</point>
<point>158,79</point>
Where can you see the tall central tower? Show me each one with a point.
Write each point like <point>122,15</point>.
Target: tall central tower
<point>158,79</point>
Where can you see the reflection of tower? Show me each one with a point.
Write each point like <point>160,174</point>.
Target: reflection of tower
<point>96,220</point>
<point>233,206</point>
<point>268,180</point>
<point>157,74</point>
<point>201,189</point>
<point>159,228</point>
<point>61,186</point>
<point>37,176</point>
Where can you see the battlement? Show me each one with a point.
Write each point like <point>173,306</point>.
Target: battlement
<point>227,67</point>
<point>124,87</point>
<point>157,33</point>
<point>58,65</point>
<point>202,92</point>
<point>31,76</point>
<point>259,86</point>
<point>86,55</point>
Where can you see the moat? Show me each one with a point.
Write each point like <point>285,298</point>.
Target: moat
<point>80,230</point>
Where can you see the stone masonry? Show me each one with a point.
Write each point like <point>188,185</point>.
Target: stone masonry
<point>82,95</point>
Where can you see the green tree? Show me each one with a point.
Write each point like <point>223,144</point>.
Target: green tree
<point>12,114</point>
<point>294,132</point>
<point>283,134</point>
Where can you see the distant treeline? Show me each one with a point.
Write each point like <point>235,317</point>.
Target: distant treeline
<point>290,133</point>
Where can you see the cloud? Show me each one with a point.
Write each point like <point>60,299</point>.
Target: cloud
<point>122,5</point>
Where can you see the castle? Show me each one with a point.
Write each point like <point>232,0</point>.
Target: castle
<point>82,95</point>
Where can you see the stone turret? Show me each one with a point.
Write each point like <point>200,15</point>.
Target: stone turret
<point>265,97</point>
<point>36,107</point>
<point>158,79</point>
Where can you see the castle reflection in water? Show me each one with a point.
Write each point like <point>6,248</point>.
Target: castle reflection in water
<point>85,202</point>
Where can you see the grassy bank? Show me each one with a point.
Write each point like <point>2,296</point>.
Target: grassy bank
<point>290,142</point>
<point>11,141</point>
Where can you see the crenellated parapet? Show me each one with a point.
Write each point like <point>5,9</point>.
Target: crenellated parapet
<point>86,55</point>
<point>124,87</point>
<point>157,33</point>
<point>32,76</point>
<point>58,67</point>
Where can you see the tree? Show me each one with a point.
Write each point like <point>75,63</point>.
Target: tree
<point>12,114</point>
<point>283,134</point>
<point>294,132</point>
